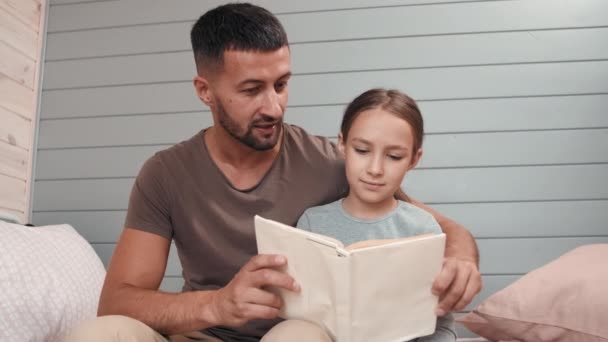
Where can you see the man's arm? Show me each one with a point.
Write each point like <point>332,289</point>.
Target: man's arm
<point>459,280</point>
<point>134,275</point>
<point>138,266</point>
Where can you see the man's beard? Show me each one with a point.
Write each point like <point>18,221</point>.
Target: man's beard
<point>248,138</point>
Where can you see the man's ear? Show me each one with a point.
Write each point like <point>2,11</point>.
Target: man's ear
<point>203,90</point>
<point>341,143</point>
<point>415,159</point>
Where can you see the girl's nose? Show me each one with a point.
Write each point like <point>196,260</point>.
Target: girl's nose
<point>375,167</point>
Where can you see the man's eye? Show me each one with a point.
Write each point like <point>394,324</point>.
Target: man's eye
<point>251,91</point>
<point>281,85</point>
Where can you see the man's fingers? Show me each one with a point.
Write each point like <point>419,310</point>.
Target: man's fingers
<point>444,279</point>
<point>473,287</point>
<point>456,285</point>
<point>454,293</point>
<point>269,277</point>
<point>261,297</point>
<point>245,298</point>
<point>264,261</point>
<point>256,311</point>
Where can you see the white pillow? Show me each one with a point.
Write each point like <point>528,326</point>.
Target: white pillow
<point>50,280</point>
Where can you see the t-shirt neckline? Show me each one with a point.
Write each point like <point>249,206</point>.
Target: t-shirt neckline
<point>207,156</point>
<point>347,215</point>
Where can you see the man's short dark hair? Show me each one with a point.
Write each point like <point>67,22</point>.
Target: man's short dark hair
<point>236,26</point>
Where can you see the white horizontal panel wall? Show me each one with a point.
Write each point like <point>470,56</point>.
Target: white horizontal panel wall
<point>342,56</point>
<point>512,184</point>
<point>438,19</point>
<point>128,13</point>
<point>450,116</point>
<point>550,79</point>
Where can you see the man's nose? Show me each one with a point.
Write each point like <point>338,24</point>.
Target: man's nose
<point>272,105</point>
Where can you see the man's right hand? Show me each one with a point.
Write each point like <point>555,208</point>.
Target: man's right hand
<point>246,298</point>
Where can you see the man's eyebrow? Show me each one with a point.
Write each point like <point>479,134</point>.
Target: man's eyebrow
<point>250,80</point>
<point>257,82</point>
<point>286,75</point>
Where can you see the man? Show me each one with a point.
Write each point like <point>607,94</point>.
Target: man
<point>204,192</point>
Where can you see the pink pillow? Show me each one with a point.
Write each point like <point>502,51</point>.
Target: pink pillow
<point>565,300</point>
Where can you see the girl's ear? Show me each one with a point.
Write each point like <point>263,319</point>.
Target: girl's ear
<point>203,91</point>
<point>415,159</point>
<point>341,144</point>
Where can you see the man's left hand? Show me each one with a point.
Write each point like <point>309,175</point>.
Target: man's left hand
<point>456,285</point>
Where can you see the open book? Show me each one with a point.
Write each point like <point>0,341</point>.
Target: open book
<point>379,292</point>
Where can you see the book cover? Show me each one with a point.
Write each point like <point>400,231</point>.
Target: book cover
<point>372,291</point>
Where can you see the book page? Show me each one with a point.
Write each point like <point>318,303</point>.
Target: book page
<point>391,288</point>
<point>373,243</point>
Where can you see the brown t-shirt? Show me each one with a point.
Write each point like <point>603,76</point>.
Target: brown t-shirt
<point>181,194</point>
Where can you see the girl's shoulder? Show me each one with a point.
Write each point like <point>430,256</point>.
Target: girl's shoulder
<point>314,216</point>
<point>416,214</point>
<point>324,209</point>
<point>409,207</point>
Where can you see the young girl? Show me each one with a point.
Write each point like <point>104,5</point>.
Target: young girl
<point>381,139</point>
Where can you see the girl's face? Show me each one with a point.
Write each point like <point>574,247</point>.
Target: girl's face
<point>378,154</point>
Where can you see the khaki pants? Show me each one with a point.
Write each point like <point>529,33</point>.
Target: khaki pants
<point>126,329</point>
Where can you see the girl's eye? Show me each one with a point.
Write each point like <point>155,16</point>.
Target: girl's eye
<point>395,157</point>
<point>361,151</point>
